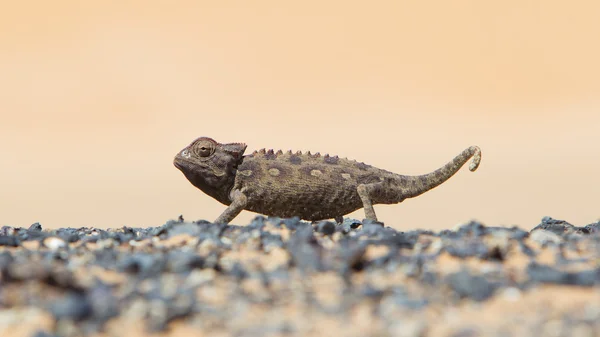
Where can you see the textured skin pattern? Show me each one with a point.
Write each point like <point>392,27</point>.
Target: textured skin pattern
<point>310,186</point>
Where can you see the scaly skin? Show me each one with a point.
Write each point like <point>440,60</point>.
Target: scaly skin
<point>312,187</point>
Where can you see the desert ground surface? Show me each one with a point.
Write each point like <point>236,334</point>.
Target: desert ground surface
<point>96,98</point>
<point>284,277</point>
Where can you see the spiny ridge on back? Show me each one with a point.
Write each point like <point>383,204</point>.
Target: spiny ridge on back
<point>271,153</point>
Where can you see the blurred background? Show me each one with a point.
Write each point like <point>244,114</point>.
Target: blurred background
<point>97,97</point>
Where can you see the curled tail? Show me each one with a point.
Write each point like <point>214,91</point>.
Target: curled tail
<point>413,186</point>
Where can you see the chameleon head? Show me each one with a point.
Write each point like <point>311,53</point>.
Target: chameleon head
<point>206,162</point>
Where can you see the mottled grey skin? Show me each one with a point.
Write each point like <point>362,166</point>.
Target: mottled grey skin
<point>310,186</point>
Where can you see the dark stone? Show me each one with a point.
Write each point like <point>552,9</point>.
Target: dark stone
<point>559,227</point>
<point>158,231</point>
<point>305,250</point>
<point>41,333</point>
<point>269,239</point>
<point>402,298</point>
<point>162,311</point>
<point>72,306</point>
<point>291,223</point>
<point>179,262</point>
<point>518,234</point>
<point>351,255</point>
<point>5,261</point>
<point>36,227</point>
<point>258,222</point>
<point>539,273</point>
<point>466,285</point>
<point>463,248</point>
<point>371,228</point>
<point>10,241</point>
<point>103,303</point>
<point>144,265</point>
<point>68,234</point>
<point>326,227</point>
<point>349,224</point>
<point>238,271</point>
<point>397,239</point>
<point>593,227</point>
<point>473,228</point>
<point>545,274</point>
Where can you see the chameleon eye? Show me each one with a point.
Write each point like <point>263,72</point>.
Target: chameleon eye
<point>204,150</point>
<point>204,147</point>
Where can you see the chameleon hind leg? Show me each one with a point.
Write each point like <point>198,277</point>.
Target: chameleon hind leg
<point>384,192</point>
<point>365,192</point>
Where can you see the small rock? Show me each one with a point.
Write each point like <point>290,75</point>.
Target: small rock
<point>547,274</point>
<point>41,333</point>
<point>71,306</point>
<point>593,227</point>
<point>7,230</point>
<point>326,227</point>
<point>179,262</point>
<point>473,286</point>
<point>103,303</point>
<point>559,227</point>
<point>372,228</point>
<point>10,241</point>
<point>472,228</point>
<point>305,250</point>
<point>36,227</point>
<point>291,223</point>
<point>145,265</point>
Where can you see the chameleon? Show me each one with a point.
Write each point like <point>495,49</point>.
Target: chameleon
<point>295,184</point>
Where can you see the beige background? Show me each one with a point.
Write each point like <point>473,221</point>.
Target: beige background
<point>97,97</point>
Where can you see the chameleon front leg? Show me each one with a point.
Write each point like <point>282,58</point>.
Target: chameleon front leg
<point>238,203</point>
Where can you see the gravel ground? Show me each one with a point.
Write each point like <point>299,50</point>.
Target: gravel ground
<point>284,277</point>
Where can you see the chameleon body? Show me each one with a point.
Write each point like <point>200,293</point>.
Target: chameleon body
<point>310,186</point>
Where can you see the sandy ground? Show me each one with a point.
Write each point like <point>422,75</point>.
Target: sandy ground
<point>96,98</point>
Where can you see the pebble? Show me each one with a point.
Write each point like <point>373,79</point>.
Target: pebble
<point>36,227</point>
<point>73,306</point>
<point>10,241</point>
<point>467,285</point>
<point>326,227</point>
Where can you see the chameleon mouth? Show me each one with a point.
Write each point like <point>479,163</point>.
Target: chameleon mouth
<point>178,164</point>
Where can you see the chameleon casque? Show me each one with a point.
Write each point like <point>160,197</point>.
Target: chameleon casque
<point>310,186</point>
